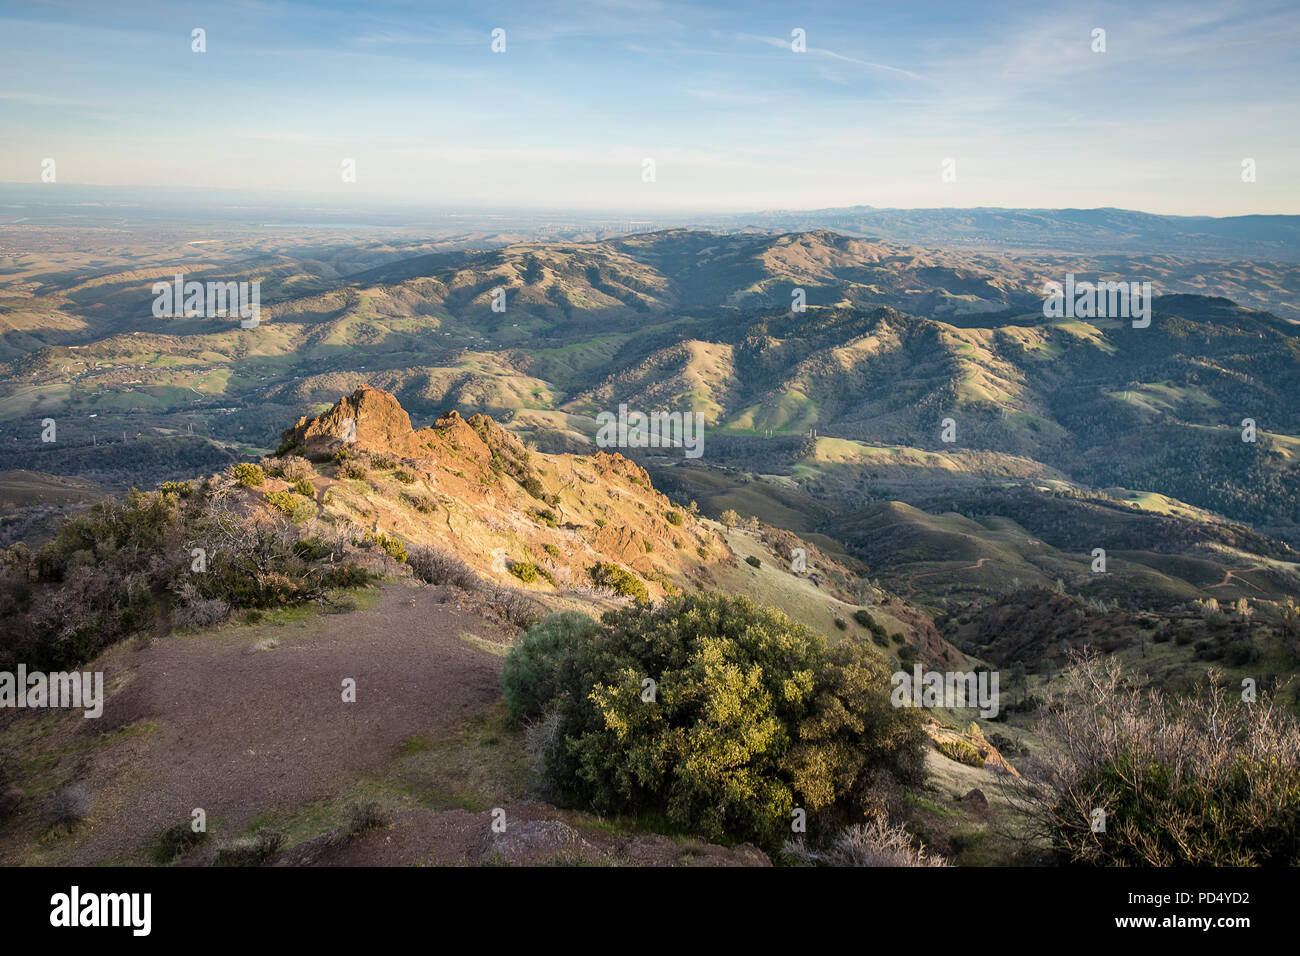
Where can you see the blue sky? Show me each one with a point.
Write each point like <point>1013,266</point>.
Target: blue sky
<point>732,117</point>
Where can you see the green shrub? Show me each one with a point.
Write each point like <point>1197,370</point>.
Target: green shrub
<point>292,506</point>
<point>181,489</point>
<point>753,562</point>
<point>960,751</point>
<point>841,624</point>
<point>620,581</point>
<point>531,672</point>
<point>533,485</point>
<point>674,517</point>
<point>304,487</point>
<point>392,546</point>
<point>349,575</point>
<point>525,571</point>
<point>247,474</point>
<point>754,716</point>
<point>178,840</point>
<point>311,548</point>
<point>863,617</point>
<point>404,476</point>
<point>552,550</point>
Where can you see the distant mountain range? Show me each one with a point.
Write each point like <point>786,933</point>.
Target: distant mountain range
<point>1093,231</point>
<point>1067,230</point>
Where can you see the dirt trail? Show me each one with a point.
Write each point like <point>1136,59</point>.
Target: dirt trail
<point>1229,575</point>
<point>969,567</point>
<point>239,731</point>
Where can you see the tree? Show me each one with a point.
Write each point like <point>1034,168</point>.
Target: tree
<point>729,519</point>
<point>722,716</point>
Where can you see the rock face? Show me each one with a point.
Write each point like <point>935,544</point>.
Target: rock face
<point>472,487</point>
<point>370,418</point>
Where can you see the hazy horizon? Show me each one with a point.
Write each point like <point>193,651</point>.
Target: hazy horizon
<point>1028,109</point>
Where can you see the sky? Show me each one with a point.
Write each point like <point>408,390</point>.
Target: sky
<point>587,92</point>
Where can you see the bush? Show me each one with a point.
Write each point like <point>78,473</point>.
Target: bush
<point>304,487</point>
<point>620,581</point>
<point>755,715</point>
<point>863,617</point>
<point>68,807</point>
<point>525,571</point>
<point>1242,652</point>
<point>181,489</point>
<point>311,548</point>
<point>250,850</point>
<point>531,673</point>
<point>178,840</point>
<point>753,562</point>
<point>10,799</point>
<point>289,467</point>
<point>197,613</point>
<point>290,505</point>
<point>106,572</point>
<point>425,504</point>
<point>960,751</point>
<point>352,468</point>
<point>1202,779</point>
<point>368,816</point>
<point>247,474</point>
<point>674,518</point>
<point>533,485</point>
<point>404,476</point>
<point>515,606</point>
<point>435,565</point>
<point>871,844</point>
<point>393,547</point>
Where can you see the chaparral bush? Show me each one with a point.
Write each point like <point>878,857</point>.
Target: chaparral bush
<point>1204,779</point>
<point>752,716</point>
